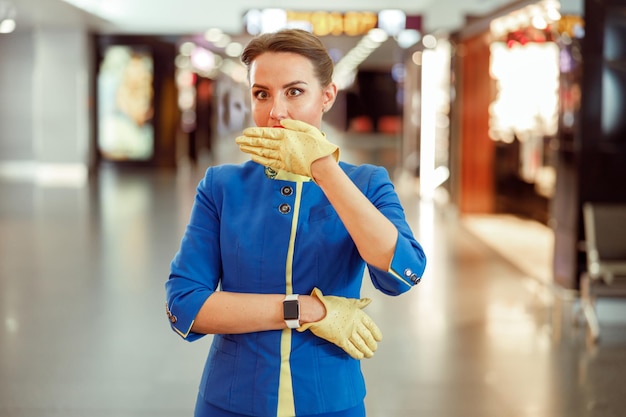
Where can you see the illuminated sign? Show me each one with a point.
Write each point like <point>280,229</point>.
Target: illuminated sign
<point>322,23</point>
<point>335,23</point>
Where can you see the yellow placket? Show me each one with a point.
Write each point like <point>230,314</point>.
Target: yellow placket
<point>286,404</point>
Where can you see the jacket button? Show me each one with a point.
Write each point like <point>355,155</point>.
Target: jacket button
<point>412,276</point>
<point>170,316</point>
<point>286,191</point>
<point>284,208</point>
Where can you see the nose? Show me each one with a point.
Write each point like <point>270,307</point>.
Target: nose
<point>278,110</point>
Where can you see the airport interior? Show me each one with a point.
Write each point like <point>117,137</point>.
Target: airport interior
<point>500,123</point>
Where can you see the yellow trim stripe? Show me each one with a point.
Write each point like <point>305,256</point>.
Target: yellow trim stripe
<point>181,334</point>
<point>398,277</point>
<point>286,403</point>
<point>286,406</point>
<point>289,176</point>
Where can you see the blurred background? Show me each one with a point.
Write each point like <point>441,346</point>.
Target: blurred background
<point>497,121</point>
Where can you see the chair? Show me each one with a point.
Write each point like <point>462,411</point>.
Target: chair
<point>605,238</point>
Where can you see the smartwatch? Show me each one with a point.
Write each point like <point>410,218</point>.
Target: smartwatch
<point>291,311</point>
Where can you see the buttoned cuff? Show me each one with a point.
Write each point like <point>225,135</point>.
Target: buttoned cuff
<point>182,312</point>
<point>404,265</point>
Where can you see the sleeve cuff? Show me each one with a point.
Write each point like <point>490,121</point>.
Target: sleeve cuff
<point>182,312</point>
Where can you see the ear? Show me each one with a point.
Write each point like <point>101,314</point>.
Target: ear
<point>330,94</point>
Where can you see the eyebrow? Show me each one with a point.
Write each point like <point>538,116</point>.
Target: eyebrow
<point>291,84</point>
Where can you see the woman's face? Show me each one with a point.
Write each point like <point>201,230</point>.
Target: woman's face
<point>284,86</point>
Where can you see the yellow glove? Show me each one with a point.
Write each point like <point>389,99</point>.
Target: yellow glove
<point>346,325</point>
<point>292,149</point>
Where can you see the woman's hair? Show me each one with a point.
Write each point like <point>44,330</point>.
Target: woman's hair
<point>295,41</point>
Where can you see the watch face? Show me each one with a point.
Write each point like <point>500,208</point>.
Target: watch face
<point>290,310</point>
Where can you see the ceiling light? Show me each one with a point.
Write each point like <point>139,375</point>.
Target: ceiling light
<point>213,35</point>
<point>429,41</point>
<point>7,26</point>
<point>233,49</point>
<point>408,38</point>
<point>392,21</point>
<point>7,17</point>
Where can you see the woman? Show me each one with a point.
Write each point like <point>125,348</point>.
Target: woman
<point>273,257</point>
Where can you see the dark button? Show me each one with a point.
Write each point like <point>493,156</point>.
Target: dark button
<point>284,208</point>
<point>412,276</point>
<point>286,190</point>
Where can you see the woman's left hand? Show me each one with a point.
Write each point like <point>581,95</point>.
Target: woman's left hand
<point>292,149</point>
<point>346,325</point>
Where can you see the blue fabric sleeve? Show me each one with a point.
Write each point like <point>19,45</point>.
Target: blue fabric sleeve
<point>195,271</point>
<point>409,260</point>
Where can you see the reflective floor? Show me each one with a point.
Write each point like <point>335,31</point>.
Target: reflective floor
<point>84,331</point>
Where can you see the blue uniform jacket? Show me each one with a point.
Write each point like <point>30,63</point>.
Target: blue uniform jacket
<point>251,233</point>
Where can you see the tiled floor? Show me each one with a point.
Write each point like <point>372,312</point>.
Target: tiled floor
<point>84,332</point>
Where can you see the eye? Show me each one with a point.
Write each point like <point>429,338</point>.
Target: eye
<point>260,94</point>
<point>294,92</point>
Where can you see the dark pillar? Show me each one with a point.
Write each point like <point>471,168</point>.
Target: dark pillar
<point>591,160</point>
